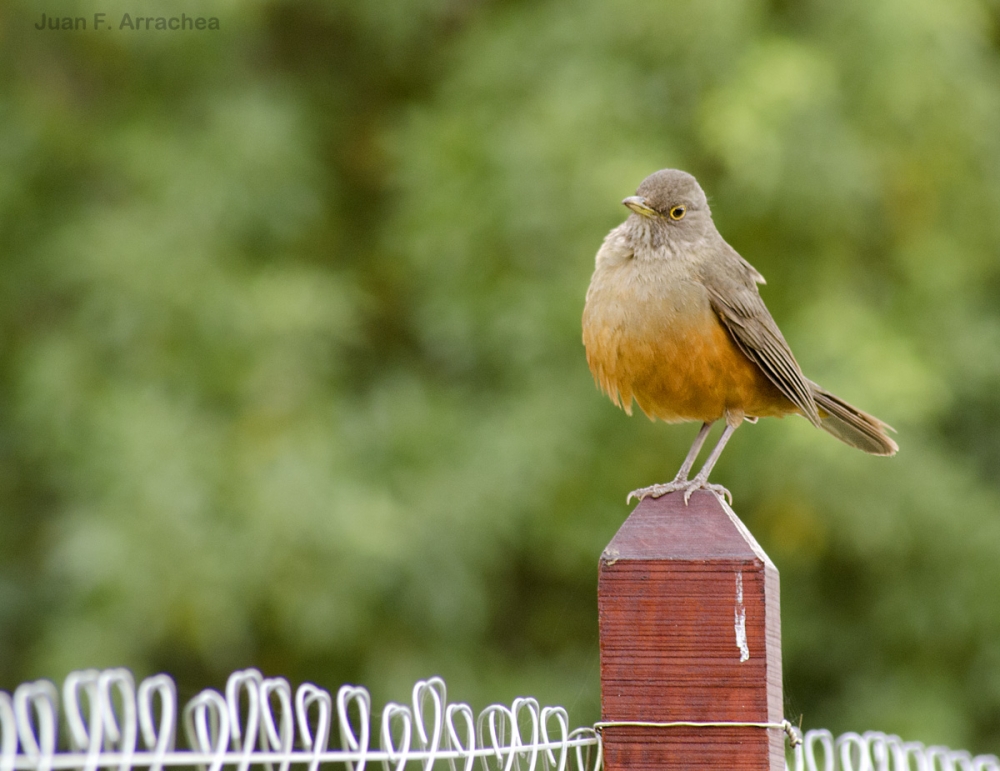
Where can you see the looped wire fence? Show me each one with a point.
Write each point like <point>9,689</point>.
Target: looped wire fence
<point>875,751</point>
<point>260,721</point>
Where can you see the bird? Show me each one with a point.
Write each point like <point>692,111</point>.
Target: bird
<point>674,322</point>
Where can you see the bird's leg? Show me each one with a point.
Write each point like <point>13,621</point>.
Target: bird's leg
<point>699,442</point>
<point>700,482</point>
<point>680,482</point>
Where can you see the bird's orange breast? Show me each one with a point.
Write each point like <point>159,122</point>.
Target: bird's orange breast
<point>674,357</point>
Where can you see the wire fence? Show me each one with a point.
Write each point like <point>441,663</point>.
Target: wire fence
<point>875,751</point>
<point>259,721</point>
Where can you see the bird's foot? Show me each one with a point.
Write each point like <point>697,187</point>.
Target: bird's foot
<point>687,485</point>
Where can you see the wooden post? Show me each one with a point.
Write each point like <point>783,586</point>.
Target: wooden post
<point>690,631</point>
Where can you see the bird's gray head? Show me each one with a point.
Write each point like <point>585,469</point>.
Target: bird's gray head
<point>669,206</point>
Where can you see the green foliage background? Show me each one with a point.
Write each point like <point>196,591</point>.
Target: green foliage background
<point>290,361</point>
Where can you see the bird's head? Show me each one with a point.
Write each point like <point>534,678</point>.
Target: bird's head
<point>670,203</point>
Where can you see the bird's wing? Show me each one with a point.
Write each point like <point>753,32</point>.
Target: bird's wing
<point>732,287</point>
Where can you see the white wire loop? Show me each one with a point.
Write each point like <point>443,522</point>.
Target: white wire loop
<point>8,732</point>
<point>349,740</point>
<point>208,725</point>
<point>277,736</point>
<point>434,692</point>
<point>37,737</point>
<point>308,695</point>
<point>261,722</point>
<point>465,750</point>
<point>249,681</point>
<point>160,741</point>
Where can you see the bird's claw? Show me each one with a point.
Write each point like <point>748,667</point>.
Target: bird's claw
<point>653,491</point>
<point>688,486</point>
<point>718,491</point>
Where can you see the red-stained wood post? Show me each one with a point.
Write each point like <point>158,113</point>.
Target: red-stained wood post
<point>690,631</point>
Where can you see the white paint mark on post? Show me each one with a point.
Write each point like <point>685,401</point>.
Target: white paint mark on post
<point>741,620</point>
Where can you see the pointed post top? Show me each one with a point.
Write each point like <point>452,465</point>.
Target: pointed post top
<point>666,528</point>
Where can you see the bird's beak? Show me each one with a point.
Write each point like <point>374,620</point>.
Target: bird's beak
<point>638,204</point>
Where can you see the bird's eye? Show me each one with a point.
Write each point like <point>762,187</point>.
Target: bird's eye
<point>678,212</point>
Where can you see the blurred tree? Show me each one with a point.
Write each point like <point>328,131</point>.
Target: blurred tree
<point>290,371</point>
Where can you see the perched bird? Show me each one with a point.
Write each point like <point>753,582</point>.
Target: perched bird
<point>674,321</point>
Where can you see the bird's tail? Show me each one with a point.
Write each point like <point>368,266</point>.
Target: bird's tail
<point>852,426</point>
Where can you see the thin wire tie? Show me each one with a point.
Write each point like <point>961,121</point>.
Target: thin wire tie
<point>794,738</point>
